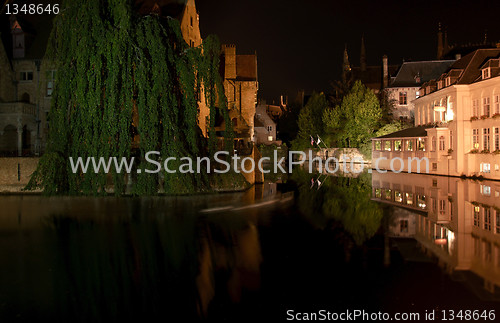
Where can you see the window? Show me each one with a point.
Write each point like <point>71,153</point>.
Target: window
<point>409,145</point>
<point>269,128</point>
<point>270,138</point>
<point>26,76</point>
<point>477,218</point>
<point>403,226</point>
<point>403,98</point>
<point>485,167</point>
<point>486,190</point>
<point>398,197</point>
<point>486,73</point>
<point>417,94</point>
<point>420,144</point>
<point>487,219</point>
<point>442,206</point>
<point>434,166</point>
<point>497,104</point>
<point>51,79</point>
<point>486,107</point>
<point>497,139</point>
<point>475,108</point>
<point>398,145</point>
<point>192,21</point>
<point>433,144</point>
<point>486,139</point>
<point>497,217</point>
<point>441,143</point>
<point>409,198</point>
<point>475,138</point>
<point>387,145</point>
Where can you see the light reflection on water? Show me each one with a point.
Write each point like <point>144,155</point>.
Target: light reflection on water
<point>346,244</point>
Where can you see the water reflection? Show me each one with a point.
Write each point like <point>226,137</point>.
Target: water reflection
<point>99,260</point>
<point>343,199</point>
<point>454,220</point>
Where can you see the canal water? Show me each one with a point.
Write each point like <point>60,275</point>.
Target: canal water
<point>387,242</point>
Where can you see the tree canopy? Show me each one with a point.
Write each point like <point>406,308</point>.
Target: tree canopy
<point>124,78</point>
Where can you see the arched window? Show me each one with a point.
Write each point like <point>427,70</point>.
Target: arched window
<point>442,144</point>
<point>25,97</point>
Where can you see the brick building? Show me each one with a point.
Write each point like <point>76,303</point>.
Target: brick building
<point>27,80</point>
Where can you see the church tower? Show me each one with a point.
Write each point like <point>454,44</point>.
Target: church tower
<point>346,66</point>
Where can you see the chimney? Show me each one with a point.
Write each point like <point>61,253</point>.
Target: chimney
<point>440,43</point>
<point>385,71</point>
<point>230,61</point>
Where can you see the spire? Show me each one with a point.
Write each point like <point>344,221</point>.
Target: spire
<point>346,67</point>
<point>363,54</point>
<point>440,51</point>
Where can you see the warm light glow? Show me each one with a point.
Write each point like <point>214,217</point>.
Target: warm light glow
<point>439,108</point>
<point>441,241</point>
<point>449,115</point>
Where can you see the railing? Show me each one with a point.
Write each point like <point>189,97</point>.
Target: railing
<point>18,108</point>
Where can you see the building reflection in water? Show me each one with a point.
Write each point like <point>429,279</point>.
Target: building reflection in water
<point>92,258</point>
<point>455,220</point>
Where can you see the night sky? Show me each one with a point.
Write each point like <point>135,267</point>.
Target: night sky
<point>300,43</point>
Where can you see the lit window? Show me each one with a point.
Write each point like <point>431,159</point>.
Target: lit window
<point>409,145</point>
<point>378,145</point>
<point>270,138</point>
<point>398,145</point>
<point>485,167</point>
<point>387,146</point>
<point>475,138</point>
<point>486,190</point>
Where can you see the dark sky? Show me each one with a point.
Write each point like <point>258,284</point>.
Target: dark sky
<point>300,43</point>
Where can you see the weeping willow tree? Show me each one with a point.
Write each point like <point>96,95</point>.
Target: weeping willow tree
<point>121,77</point>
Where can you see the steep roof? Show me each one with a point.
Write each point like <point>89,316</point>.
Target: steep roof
<point>416,73</point>
<point>407,133</point>
<point>471,64</point>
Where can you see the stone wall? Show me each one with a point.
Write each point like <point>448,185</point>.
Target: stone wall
<point>9,181</point>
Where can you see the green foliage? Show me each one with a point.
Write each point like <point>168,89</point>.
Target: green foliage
<point>340,199</point>
<point>357,118</point>
<point>111,65</point>
<point>310,120</point>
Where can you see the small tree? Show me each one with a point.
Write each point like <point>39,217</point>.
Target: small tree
<point>311,119</point>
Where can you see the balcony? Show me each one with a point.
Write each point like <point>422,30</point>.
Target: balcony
<point>18,108</point>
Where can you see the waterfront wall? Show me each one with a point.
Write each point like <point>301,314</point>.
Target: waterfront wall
<point>15,172</point>
<point>340,154</point>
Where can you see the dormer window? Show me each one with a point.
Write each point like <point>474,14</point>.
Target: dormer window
<point>447,81</point>
<point>440,85</point>
<point>486,73</point>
